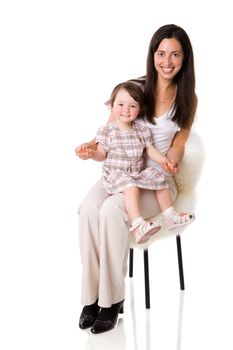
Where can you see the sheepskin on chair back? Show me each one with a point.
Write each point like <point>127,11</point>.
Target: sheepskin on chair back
<point>186,181</point>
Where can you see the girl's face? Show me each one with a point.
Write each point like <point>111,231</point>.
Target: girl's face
<point>125,108</point>
<point>168,58</point>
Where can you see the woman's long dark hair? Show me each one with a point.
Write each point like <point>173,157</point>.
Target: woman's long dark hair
<point>186,101</point>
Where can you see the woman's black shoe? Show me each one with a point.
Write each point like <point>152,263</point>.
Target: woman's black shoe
<point>107,318</point>
<point>89,315</point>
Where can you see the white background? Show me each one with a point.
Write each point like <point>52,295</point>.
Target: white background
<point>59,62</point>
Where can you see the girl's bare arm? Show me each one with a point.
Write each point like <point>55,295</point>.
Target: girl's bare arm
<point>154,154</point>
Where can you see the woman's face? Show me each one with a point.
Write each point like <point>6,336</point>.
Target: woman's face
<point>168,58</point>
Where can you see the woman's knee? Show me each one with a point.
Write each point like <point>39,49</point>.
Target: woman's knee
<point>113,209</point>
<point>93,201</point>
<point>88,209</point>
<point>114,225</point>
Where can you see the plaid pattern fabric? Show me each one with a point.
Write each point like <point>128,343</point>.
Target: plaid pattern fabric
<point>124,163</point>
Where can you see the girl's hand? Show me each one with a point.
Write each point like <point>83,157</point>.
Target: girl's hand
<point>175,166</point>
<point>84,151</point>
<point>169,167</point>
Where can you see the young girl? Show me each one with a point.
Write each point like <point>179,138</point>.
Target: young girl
<point>120,145</point>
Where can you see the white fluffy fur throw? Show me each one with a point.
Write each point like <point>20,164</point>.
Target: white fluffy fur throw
<point>191,164</point>
<point>186,180</point>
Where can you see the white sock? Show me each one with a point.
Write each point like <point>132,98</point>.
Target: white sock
<point>138,221</point>
<point>167,212</point>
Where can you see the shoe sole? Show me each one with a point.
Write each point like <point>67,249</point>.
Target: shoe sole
<point>147,236</point>
<point>181,224</point>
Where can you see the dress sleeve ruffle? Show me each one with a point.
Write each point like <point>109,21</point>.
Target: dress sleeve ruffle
<point>102,137</point>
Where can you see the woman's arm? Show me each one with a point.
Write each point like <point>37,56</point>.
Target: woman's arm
<point>176,151</point>
<point>99,154</point>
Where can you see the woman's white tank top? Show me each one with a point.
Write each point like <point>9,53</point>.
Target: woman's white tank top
<point>163,132</point>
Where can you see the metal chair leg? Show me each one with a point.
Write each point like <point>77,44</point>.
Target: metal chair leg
<point>180,262</point>
<point>147,282</point>
<point>131,262</point>
<point>146,269</point>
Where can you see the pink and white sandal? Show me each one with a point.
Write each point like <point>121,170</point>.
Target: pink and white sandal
<point>144,231</point>
<point>178,219</point>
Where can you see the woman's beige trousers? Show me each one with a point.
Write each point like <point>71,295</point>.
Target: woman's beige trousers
<point>104,243</point>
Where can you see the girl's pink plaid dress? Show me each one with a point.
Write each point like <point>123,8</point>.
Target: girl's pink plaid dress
<point>124,163</point>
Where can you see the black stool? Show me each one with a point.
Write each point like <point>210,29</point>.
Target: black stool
<point>146,269</point>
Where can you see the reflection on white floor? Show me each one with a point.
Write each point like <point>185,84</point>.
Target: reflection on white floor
<point>148,333</point>
<point>115,339</point>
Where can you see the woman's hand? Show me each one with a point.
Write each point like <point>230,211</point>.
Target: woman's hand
<point>85,150</point>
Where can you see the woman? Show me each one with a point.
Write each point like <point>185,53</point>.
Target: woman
<point>169,88</point>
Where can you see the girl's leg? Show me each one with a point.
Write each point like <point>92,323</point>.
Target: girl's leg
<point>132,202</point>
<point>164,198</point>
<point>171,217</point>
<point>149,203</point>
<point>141,229</point>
